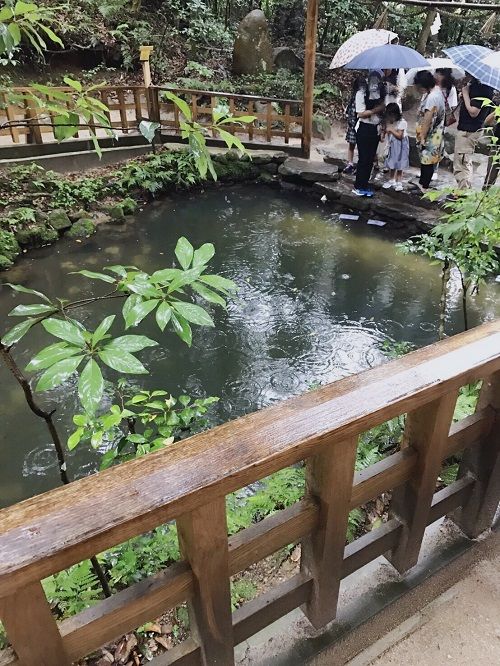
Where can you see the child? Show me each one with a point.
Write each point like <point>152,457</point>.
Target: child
<point>352,121</point>
<point>398,146</point>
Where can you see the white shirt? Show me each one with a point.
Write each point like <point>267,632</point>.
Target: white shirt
<point>400,125</point>
<point>452,98</point>
<point>361,108</point>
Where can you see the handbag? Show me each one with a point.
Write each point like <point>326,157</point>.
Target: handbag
<point>449,115</point>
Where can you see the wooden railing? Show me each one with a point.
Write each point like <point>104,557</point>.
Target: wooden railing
<point>189,481</point>
<point>277,121</point>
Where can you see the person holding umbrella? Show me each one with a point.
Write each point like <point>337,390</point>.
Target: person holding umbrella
<point>370,103</point>
<point>469,130</point>
<point>483,79</point>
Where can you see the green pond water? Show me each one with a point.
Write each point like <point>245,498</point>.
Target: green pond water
<point>317,297</point>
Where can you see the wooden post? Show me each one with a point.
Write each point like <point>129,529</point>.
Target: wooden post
<point>35,132</point>
<point>309,71</point>
<point>32,629</point>
<point>426,431</point>
<point>144,55</point>
<point>330,477</point>
<point>483,463</point>
<point>203,542</point>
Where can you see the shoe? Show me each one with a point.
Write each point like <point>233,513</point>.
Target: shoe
<point>359,193</point>
<point>368,193</point>
<point>350,169</point>
<point>389,184</point>
<point>398,187</point>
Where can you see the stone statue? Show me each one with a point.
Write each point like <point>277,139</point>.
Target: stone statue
<point>253,52</point>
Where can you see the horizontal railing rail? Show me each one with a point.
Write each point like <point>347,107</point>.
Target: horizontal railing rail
<point>189,481</point>
<point>275,118</point>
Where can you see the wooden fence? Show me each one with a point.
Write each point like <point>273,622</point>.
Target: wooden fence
<point>189,481</point>
<point>277,121</point>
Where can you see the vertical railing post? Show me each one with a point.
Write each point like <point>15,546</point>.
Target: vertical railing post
<point>426,431</point>
<point>483,463</point>
<point>32,629</point>
<point>329,476</point>
<point>35,132</point>
<point>309,73</point>
<point>204,544</point>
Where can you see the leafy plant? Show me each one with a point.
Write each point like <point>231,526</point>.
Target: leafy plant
<point>25,21</point>
<point>72,590</point>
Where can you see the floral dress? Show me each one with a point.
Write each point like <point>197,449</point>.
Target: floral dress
<point>432,150</point>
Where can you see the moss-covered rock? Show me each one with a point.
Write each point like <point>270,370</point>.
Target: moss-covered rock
<point>229,169</point>
<point>5,262</point>
<point>81,229</point>
<point>9,247</point>
<point>74,216</point>
<point>59,220</point>
<point>116,214</point>
<point>128,205</point>
<point>36,235</point>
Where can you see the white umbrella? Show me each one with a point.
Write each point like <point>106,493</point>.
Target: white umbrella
<point>492,60</point>
<point>436,63</point>
<point>360,42</point>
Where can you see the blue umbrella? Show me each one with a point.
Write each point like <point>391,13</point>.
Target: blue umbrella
<point>389,56</point>
<point>469,57</point>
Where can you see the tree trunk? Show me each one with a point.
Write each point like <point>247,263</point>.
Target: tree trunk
<point>423,38</point>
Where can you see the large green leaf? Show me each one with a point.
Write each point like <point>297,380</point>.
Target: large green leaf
<point>91,387</point>
<point>139,311</point>
<point>18,331</point>
<point>58,373</point>
<point>102,329</point>
<point>218,282</point>
<point>203,254</point>
<point>208,294</point>
<point>122,361</point>
<point>50,355</point>
<point>74,438</point>
<point>184,252</point>
<point>182,328</point>
<point>25,290</point>
<point>97,276</point>
<point>66,330</point>
<point>194,314</point>
<point>165,275</point>
<point>185,278</point>
<point>180,104</point>
<point>131,343</point>
<point>30,310</point>
<point>66,126</point>
<point>163,315</point>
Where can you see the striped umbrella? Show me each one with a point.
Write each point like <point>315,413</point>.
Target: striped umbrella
<point>359,43</point>
<point>471,58</point>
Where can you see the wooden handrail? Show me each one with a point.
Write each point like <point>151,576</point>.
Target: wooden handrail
<point>54,530</point>
<point>214,93</point>
<point>188,482</point>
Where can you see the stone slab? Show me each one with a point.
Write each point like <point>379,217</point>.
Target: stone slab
<point>296,168</point>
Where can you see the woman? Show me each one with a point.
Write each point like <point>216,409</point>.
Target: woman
<point>446,83</point>
<point>430,127</point>
<point>369,107</point>
<point>352,120</point>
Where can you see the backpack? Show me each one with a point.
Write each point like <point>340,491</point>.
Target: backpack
<point>449,115</point>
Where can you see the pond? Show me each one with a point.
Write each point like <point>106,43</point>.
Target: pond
<point>318,295</point>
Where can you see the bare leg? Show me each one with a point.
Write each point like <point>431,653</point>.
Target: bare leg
<point>350,153</point>
<point>398,175</point>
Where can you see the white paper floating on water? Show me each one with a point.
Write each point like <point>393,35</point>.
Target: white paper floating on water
<point>345,216</point>
<point>497,279</point>
<point>323,198</point>
<point>345,276</point>
<point>376,223</point>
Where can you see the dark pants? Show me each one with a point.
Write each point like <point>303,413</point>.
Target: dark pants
<point>426,173</point>
<point>367,139</point>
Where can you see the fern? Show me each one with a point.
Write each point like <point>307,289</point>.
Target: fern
<point>73,590</point>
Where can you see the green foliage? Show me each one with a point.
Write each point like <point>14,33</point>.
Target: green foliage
<point>467,401</point>
<point>73,589</point>
<point>394,349</point>
<point>25,21</point>
<point>242,590</point>
<point>9,247</point>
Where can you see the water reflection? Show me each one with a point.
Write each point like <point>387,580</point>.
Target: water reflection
<point>317,295</point>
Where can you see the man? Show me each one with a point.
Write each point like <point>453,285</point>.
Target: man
<point>470,121</point>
